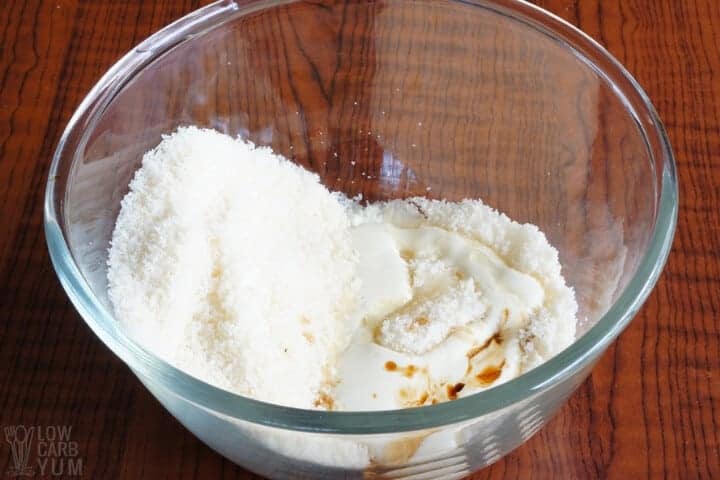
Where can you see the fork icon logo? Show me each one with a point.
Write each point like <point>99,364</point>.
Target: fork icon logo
<point>20,440</point>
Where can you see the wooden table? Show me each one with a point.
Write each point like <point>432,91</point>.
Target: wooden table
<point>651,407</point>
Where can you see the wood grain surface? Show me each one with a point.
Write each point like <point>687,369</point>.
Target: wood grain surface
<point>651,407</point>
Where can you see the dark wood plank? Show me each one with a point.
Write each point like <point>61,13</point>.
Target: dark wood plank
<point>652,405</point>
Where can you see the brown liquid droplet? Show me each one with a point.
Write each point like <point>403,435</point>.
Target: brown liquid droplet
<point>407,254</point>
<point>409,371</point>
<point>490,374</point>
<point>460,275</point>
<point>422,320</point>
<point>497,338</point>
<point>453,390</point>
<point>325,400</point>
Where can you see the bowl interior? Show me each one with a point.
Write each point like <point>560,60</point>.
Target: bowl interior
<point>391,105</point>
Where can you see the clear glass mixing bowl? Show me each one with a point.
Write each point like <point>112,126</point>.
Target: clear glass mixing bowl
<point>492,99</point>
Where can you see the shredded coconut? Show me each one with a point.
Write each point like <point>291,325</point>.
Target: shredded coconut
<point>423,326</point>
<point>235,265</point>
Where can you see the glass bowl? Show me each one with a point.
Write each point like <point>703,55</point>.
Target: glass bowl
<point>496,100</point>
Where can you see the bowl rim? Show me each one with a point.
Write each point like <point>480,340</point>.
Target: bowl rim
<point>569,362</point>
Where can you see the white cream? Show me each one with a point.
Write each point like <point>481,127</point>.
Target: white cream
<point>442,316</point>
<point>386,285</point>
